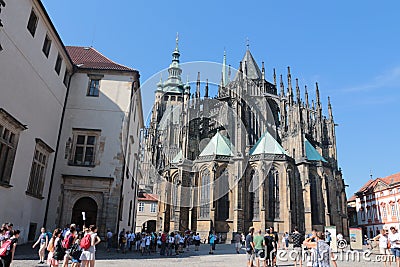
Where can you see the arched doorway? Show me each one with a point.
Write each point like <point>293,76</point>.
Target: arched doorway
<point>87,205</point>
<point>149,226</point>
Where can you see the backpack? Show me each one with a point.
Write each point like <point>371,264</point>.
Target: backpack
<point>49,235</point>
<point>86,241</point>
<point>68,241</point>
<point>59,251</point>
<point>76,251</point>
<point>4,247</point>
<point>163,238</point>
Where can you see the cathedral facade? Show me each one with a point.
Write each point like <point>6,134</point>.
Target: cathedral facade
<point>256,154</point>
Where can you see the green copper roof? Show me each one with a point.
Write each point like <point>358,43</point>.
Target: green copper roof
<point>267,145</point>
<point>177,158</point>
<point>312,153</point>
<point>218,145</point>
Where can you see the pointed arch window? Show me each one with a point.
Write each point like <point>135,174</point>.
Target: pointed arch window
<point>273,194</point>
<point>205,195</point>
<point>255,194</point>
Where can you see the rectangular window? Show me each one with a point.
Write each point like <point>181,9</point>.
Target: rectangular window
<point>46,46</point>
<point>141,206</point>
<point>153,207</point>
<point>38,169</point>
<point>9,136</point>
<point>32,23</point>
<point>94,87</point>
<point>57,67</point>
<point>84,148</point>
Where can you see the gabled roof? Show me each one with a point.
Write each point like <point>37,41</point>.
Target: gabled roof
<point>253,71</point>
<point>148,197</point>
<point>90,58</point>
<point>352,198</point>
<point>177,158</point>
<point>218,145</point>
<point>388,181</point>
<point>311,153</point>
<point>267,145</point>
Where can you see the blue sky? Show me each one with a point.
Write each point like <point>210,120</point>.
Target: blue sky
<point>350,48</point>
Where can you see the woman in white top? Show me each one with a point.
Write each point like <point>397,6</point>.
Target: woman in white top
<point>88,255</point>
<point>383,244</point>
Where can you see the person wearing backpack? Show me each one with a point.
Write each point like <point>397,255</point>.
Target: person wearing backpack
<point>67,243</point>
<point>43,240</point>
<point>76,251</point>
<point>322,252</point>
<point>163,243</point>
<point>54,243</point>
<point>7,256</point>
<point>88,244</point>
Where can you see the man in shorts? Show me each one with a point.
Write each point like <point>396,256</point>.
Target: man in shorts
<point>250,247</point>
<point>259,250</point>
<point>238,244</point>
<point>297,242</point>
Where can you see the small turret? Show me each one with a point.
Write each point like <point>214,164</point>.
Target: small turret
<point>198,86</point>
<point>262,71</point>
<point>306,96</point>
<point>206,90</point>
<point>290,89</point>
<point>274,77</point>
<point>282,87</point>
<point>298,92</point>
<point>330,109</point>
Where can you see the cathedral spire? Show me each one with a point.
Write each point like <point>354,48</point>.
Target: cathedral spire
<point>274,77</point>
<point>198,85</point>
<point>224,70</point>
<point>306,96</point>
<point>229,73</point>
<point>317,95</point>
<point>282,87</point>
<point>262,71</point>
<point>298,92</point>
<point>290,89</point>
<point>176,54</point>
<point>330,109</point>
<point>206,90</point>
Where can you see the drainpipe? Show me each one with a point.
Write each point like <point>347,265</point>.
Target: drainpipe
<point>120,206</point>
<point>57,148</point>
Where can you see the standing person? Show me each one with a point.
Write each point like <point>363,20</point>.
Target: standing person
<point>394,238</point>
<point>69,240</point>
<point>259,250</point>
<point>269,246</point>
<point>171,243</point>
<point>51,247</point>
<point>323,253</point>
<point>328,237</point>
<point>43,240</point>
<point>238,244</point>
<point>275,238</point>
<point>384,244</point>
<point>298,240</point>
<point>197,242</point>
<point>76,251</point>
<point>212,239</point>
<point>9,257</point>
<point>250,247</point>
<point>122,240</point>
<point>285,240</point>
<point>148,242</point>
<point>109,236</point>
<point>163,243</point>
<point>88,256</point>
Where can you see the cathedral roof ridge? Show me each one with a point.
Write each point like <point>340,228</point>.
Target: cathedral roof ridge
<point>218,145</point>
<point>311,153</point>
<point>267,144</point>
<point>252,71</point>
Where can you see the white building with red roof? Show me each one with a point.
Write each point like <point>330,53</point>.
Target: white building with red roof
<point>377,204</point>
<point>147,210</point>
<point>70,121</point>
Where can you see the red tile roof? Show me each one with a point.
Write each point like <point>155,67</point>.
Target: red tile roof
<point>149,197</point>
<point>389,180</point>
<point>353,198</point>
<point>90,58</point>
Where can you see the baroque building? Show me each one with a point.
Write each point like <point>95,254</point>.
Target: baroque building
<point>256,154</point>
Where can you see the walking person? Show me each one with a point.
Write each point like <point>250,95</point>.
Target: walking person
<point>54,242</point>
<point>43,241</point>
<point>394,238</point>
<point>250,247</point>
<point>7,259</point>
<point>68,241</point>
<point>322,252</point>
<point>238,244</point>
<point>109,236</point>
<point>88,255</point>
<point>384,246</point>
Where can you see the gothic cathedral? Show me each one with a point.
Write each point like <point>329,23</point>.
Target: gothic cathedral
<point>253,155</point>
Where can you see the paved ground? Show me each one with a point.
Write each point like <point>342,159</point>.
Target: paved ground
<point>224,256</point>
